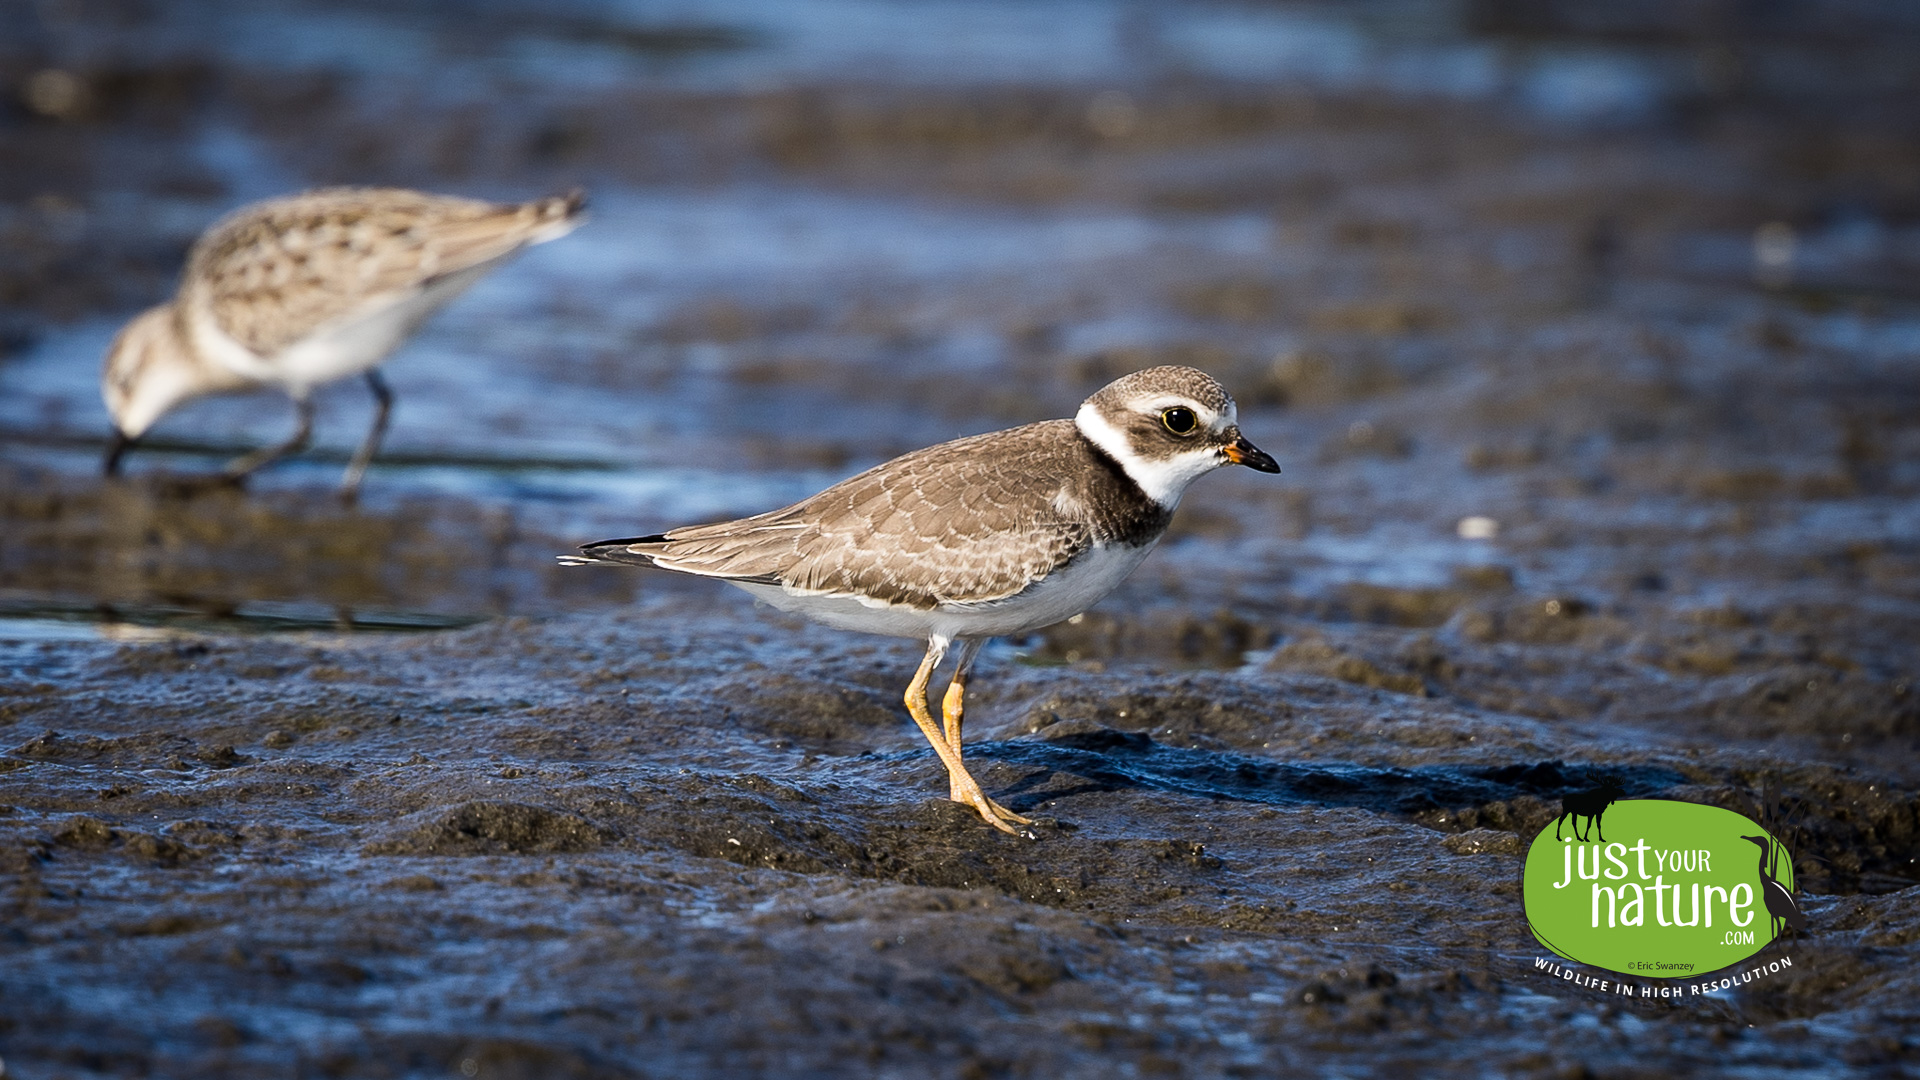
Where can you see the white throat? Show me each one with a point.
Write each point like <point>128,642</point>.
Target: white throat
<point>1164,480</point>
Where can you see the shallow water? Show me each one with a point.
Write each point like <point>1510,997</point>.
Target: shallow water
<point>288,787</point>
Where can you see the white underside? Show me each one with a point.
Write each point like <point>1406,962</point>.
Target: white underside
<point>1061,595</point>
<point>337,350</point>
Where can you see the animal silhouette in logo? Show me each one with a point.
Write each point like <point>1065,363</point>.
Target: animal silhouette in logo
<point>1590,805</point>
<point>1780,902</point>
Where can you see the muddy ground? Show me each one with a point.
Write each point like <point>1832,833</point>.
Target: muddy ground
<point>293,789</point>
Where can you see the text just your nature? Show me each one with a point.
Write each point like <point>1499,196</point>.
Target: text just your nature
<point>1626,904</point>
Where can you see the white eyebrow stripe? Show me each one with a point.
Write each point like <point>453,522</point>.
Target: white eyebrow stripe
<point>1214,421</point>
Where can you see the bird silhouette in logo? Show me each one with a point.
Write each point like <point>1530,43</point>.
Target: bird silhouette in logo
<point>1590,805</point>
<point>1780,902</point>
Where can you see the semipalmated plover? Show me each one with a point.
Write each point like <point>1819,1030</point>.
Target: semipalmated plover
<point>295,292</point>
<point>996,534</point>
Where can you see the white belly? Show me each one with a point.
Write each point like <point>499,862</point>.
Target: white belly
<point>1059,596</point>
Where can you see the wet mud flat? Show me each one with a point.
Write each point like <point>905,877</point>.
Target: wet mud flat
<point>693,838</point>
<point>664,832</point>
<point>290,789</point>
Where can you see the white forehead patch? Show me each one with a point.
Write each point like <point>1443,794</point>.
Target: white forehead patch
<point>1163,480</point>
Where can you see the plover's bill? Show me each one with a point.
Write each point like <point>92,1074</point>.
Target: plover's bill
<point>996,534</point>
<point>295,292</point>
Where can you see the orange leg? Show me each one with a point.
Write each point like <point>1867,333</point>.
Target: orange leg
<point>955,702</point>
<point>962,787</point>
<point>953,706</point>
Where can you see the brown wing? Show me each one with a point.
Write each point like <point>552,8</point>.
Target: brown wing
<point>974,520</point>
<point>274,271</point>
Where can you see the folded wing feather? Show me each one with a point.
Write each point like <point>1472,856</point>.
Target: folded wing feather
<point>951,524</point>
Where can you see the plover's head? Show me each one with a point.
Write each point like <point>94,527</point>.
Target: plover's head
<point>148,372</point>
<point>1168,426</point>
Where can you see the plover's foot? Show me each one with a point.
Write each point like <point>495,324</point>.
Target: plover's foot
<point>959,793</point>
<point>996,815</point>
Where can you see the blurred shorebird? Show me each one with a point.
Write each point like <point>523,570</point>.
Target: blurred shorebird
<point>996,534</point>
<point>296,292</point>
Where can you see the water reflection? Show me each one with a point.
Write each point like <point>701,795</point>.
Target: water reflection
<point>34,622</point>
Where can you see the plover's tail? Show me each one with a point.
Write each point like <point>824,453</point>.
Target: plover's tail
<point>612,551</point>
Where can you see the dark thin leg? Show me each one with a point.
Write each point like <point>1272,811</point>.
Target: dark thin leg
<point>242,467</point>
<point>117,448</point>
<point>369,446</point>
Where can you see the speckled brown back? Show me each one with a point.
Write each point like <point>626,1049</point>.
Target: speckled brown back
<point>273,272</point>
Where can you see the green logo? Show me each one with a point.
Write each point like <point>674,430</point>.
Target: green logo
<point>1657,889</point>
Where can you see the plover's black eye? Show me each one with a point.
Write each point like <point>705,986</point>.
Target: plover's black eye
<point>1179,420</point>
